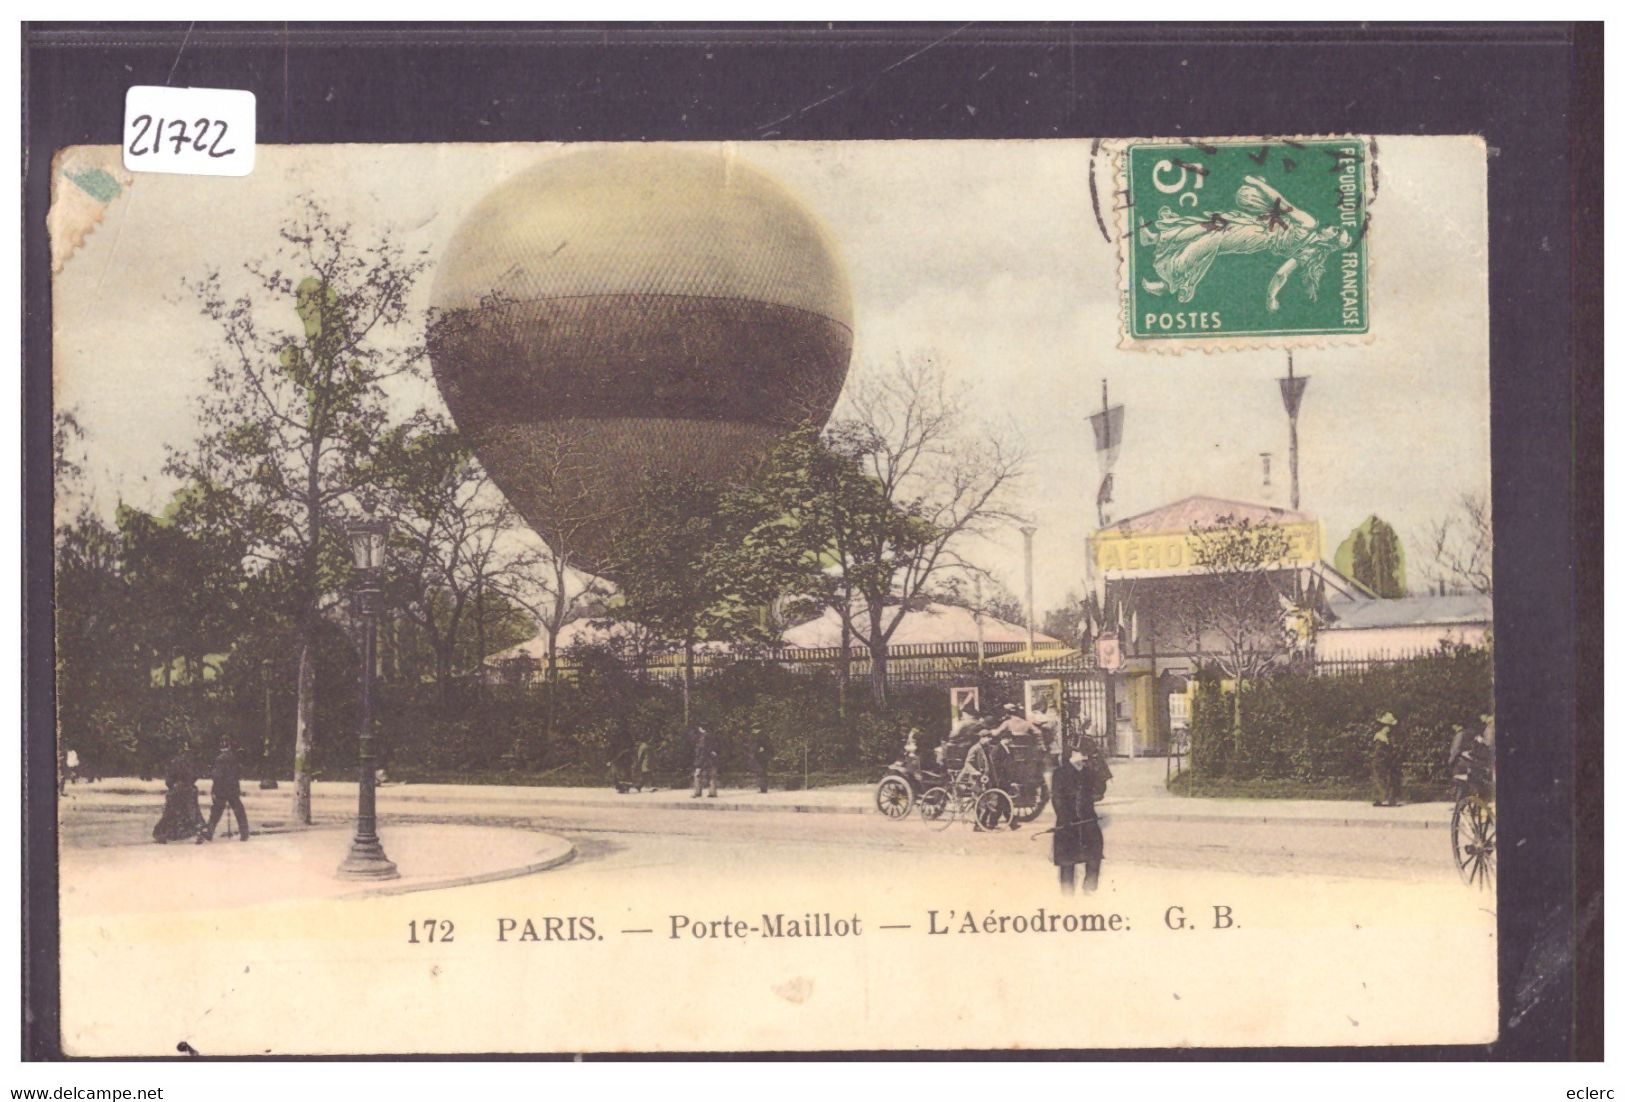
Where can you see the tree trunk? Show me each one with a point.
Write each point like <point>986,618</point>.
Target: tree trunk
<point>877,671</point>
<point>479,640</point>
<point>844,677</point>
<point>878,645</point>
<point>305,713</point>
<point>442,667</point>
<point>1235,730</point>
<point>552,679</point>
<point>688,676</point>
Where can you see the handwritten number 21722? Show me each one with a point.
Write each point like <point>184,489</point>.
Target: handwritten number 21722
<point>180,135</point>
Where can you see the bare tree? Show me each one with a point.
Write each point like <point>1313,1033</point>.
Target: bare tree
<point>555,586</point>
<point>1463,548</point>
<point>910,483</point>
<point>1231,605</point>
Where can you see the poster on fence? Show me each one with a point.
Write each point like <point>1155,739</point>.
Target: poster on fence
<point>495,580</point>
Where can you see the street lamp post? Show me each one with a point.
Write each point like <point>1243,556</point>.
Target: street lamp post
<point>366,860</point>
<point>1027,532</point>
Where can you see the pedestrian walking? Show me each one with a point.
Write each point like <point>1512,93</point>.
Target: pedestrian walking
<point>761,753</point>
<point>705,763</point>
<point>181,817</point>
<point>225,791</point>
<point>1386,775</point>
<point>1078,840</point>
<point>641,766</point>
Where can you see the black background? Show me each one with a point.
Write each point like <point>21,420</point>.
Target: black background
<point>1534,92</point>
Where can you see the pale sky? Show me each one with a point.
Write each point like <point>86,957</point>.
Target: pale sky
<point>985,253</point>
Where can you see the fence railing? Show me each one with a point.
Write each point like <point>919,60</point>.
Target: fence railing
<point>918,663</point>
<point>1340,667</point>
<point>913,664</point>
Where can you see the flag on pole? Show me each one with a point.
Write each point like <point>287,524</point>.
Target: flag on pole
<point>1108,426</point>
<point>1292,392</point>
<point>1292,389</point>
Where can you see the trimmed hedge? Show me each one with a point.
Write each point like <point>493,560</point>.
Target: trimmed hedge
<point>1317,730</point>
<point>498,734</point>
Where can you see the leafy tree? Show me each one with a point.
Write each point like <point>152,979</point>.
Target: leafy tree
<point>698,563</point>
<point>292,410</point>
<point>459,550</point>
<point>1373,556</point>
<point>1070,621</point>
<point>186,582</point>
<point>97,663</point>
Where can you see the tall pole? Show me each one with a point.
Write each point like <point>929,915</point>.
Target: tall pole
<point>1292,388</point>
<point>366,860</point>
<point>1027,531</point>
<point>981,646</point>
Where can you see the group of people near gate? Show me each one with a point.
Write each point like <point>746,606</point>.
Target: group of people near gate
<point>181,819</point>
<point>1078,775</point>
<point>632,770</point>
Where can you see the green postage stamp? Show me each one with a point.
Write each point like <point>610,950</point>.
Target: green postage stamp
<point>1228,241</point>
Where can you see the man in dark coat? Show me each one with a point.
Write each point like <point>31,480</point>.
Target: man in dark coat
<point>705,762</point>
<point>226,791</point>
<point>641,766</point>
<point>761,752</point>
<point>1077,828</point>
<point>1386,774</point>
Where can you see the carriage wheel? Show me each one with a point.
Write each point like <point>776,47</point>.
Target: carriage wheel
<point>894,798</point>
<point>1472,839</point>
<point>993,809</point>
<point>1034,799</point>
<point>934,806</point>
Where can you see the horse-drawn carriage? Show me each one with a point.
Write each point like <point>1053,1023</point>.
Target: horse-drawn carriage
<point>1472,823</point>
<point>953,786</point>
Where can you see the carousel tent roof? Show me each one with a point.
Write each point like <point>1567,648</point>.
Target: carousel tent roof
<point>935,623</point>
<point>1203,512</point>
<point>1471,608</point>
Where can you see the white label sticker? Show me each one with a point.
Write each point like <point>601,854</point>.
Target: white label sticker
<point>194,131</point>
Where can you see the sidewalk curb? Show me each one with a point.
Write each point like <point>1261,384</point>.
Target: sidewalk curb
<point>539,805</point>
<point>552,861</point>
<point>1107,811</point>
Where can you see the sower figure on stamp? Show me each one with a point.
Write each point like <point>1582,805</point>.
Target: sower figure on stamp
<point>705,762</point>
<point>1078,840</point>
<point>1261,220</point>
<point>226,791</point>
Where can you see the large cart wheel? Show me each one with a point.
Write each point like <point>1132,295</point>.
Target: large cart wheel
<point>934,806</point>
<point>894,798</point>
<point>1031,800</point>
<point>994,809</point>
<point>1472,840</point>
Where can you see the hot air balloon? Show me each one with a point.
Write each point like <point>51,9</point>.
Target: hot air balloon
<point>627,310</point>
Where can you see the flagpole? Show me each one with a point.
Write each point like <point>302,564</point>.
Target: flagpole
<point>1294,440</point>
<point>1292,388</point>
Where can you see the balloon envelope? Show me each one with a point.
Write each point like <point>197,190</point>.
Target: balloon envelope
<point>628,310</point>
